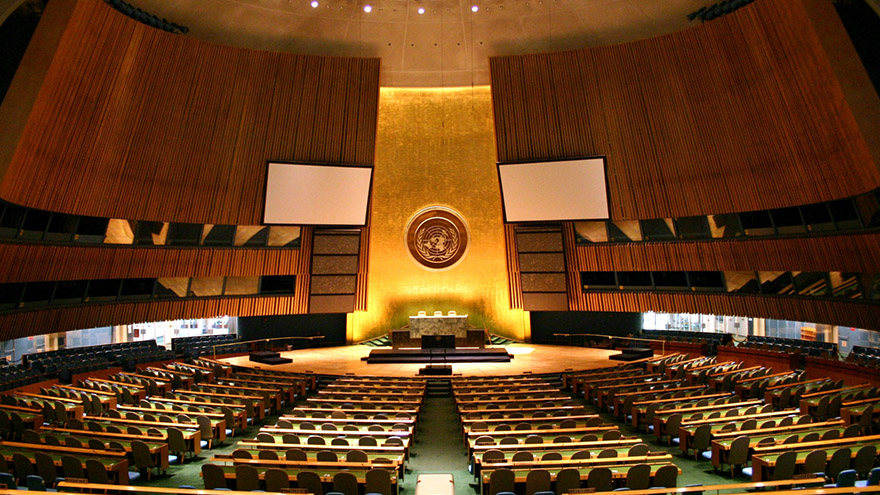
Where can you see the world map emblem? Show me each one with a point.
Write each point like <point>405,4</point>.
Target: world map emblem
<point>437,237</point>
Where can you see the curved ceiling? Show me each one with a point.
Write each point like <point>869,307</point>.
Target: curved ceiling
<point>446,45</point>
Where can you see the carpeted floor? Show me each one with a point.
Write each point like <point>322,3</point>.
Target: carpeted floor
<point>439,448</point>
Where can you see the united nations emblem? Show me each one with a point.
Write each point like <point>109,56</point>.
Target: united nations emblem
<point>437,237</point>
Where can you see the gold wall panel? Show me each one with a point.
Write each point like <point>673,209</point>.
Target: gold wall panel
<point>436,147</point>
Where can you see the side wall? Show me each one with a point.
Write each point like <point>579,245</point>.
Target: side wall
<point>765,108</point>
<point>111,118</point>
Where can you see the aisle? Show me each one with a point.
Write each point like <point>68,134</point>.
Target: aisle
<point>439,447</point>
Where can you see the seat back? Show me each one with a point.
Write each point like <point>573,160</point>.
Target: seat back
<point>22,465</point>
<point>356,456</point>
<point>538,480</point>
<point>140,453</point>
<point>666,476</point>
<point>846,478</point>
<point>501,480</point>
<point>276,480</point>
<point>295,455</point>
<point>246,478</point>
<point>214,477</point>
<point>815,462</point>
<point>864,459</point>
<point>739,451</point>
<point>638,477</point>
<point>95,472</point>
<point>310,481</point>
<point>45,467</point>
<point>785,465</point>
<point>839,461</point>
<point>345,483</point>
<point>567,480</point>
<point>601,479</point>
<point>378,481</point>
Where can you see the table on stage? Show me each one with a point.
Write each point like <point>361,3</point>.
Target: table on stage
<point>438,324</point>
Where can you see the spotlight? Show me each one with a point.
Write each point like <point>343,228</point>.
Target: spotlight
<point>314,4</point>
<point>475,9</point>
<point>421,10</point>
<point>368,9</point>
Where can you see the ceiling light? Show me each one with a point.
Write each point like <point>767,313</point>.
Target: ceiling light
<point>421,10</point>
<point>314,4</point>
<point>368,9</point>
<point>475,9</point>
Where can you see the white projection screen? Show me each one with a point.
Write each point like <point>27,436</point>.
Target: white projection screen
<point>304,194</point>
<point>554,191</point>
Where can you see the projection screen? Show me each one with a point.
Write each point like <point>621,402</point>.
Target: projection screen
<point>305,194</point>
<point>554,191</point>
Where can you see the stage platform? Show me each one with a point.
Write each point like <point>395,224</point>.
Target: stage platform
<point>527,358</point>
<point>438,356</point>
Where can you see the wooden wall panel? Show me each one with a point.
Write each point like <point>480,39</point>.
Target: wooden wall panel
<point>847,253</point>
<point>844,313</point>
<point>738,114</point>
<point>23,324</point>
<point>133,122</point>
<point>27,262</point>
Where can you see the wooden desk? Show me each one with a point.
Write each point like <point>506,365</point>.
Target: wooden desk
<point>618,472</point>
<point>763,462</point>
<point>326,475</point>
<point>581,431</point>
<point>576,463</point>
<point>640,408</point>
<point>619,401</point>
<point>253,403</point>
<point>527,407</point>
<point>720,447</point>
<point>851,412</point>
<point>115,462</point>
<point>158,449</point>
<point>580,418</point>
<point>605,394</point>
<point>108,399</point>
<point>73,407</point>
<point>32,418</point>
<point>686,432</point>
<point>296,421</point>
<point>338,433</point>
<point>288,390</point>
<point>809,403</point>
<point>394,466</point>
<point>529,392</point>
<point>192,437</point>
<point>547,446</point>
<point>271,397</point>
<point>366,404</point>
<point>217,425</point>
<point>88,487</point>
<point>383,450</point>
<point>349,412</point>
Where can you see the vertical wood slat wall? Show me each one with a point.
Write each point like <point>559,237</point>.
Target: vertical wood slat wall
<point>133,122</point>
<point>23,324</point>
<point>31,263</point>
<point>738,114</point>
<point>844,253</point>
<point>513,271</point>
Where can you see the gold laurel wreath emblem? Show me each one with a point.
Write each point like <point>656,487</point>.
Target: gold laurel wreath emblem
<point>437,243</point>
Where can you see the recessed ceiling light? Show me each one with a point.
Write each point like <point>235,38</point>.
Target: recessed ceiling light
<point>368,9</point>
<point>475,9</point>
<point>421,10</point>
<point>314,4</point>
